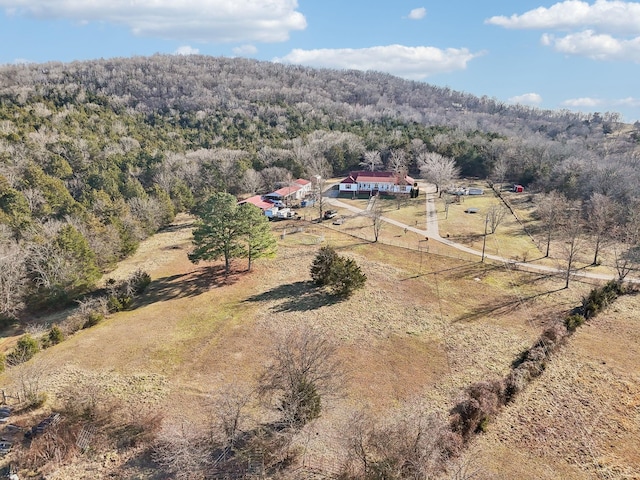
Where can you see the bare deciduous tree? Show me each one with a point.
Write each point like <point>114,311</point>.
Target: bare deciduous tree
<point>229,411</point>
<point>437,169</point>
<point>500,169</point>
<point>303,373</point>
<point>251,181</point>
<point>274,176</point>
<point>601,217</point>
<point>410,444</point>
<point>13,279</point>
<point>572,234</point>
<point>397,161</point>
<point>550,211</point>
<point>184,449</point>
<point>626,260</point>
<point>372,160</point>
<point>319,170</point>
<point>495,216</point>
<point>376,219</point>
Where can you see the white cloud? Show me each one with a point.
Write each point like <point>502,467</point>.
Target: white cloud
<point>186,50</point>
<point>604,30</point>
<point>605,16</point>
<point>417,13</point>
<point>245,50</point>
<point>193,20</point>
<point>588,102</point>
<point>583,102</point>
<point>628,102</point>
<point>595,46</point>
<point>527,99</point>
<point>415,63</point>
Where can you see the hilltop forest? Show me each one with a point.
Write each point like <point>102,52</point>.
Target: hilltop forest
<point>97,155</point>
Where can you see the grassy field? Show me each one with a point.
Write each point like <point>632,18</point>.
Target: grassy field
<point>424,327</point>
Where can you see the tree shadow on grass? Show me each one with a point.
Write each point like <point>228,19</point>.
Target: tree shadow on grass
<point>296,297</point>
<point>509,304</point>
<point>176,227</point>
<point>190,284</point>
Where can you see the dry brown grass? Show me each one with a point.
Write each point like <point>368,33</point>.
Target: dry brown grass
<point>581,419</point>
<point>425,326</point>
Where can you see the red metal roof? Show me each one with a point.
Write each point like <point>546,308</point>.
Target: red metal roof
<point>376,177</point>
<point>349,179</point>
<point>286,191</point>
<point>302,181</point>
<point>258,202</point>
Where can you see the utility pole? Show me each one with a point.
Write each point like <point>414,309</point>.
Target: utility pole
<point>484,238</point>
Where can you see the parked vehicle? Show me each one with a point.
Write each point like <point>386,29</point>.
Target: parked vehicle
<point>286,213</point>
<point>328,214</point>
<point>271,213</point>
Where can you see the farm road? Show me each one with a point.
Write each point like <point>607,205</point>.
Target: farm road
<point>432,233</point>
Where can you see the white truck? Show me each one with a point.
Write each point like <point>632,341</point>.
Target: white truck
<point>286,213</point>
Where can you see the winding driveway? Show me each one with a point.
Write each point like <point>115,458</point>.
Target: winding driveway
<point>433,234</point>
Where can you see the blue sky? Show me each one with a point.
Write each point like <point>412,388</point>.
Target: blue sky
<point>572,54</point>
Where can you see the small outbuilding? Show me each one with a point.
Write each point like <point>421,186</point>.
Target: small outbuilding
<point>518,188</point>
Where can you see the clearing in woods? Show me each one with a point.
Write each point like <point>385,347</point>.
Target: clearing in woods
<point>423,328</point>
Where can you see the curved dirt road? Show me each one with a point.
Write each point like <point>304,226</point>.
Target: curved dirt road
<point>433,234</point>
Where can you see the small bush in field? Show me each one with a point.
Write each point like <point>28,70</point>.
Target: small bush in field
<point>574,321</point>
<point>37,400</point>
<point>114,304</point>
<point>121,295</point>
<point>93,318</point>
<point>552,337</point>
<point>24,350</point>
<point>87,313</point>
<point>55,335</point>
<point>139,281</point>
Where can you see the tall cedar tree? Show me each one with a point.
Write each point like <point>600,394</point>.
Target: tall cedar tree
<point>321,266</point>
<point>259,240</point>
<point>346,277</point>
<point>340,274</point>
<point>226,230</point>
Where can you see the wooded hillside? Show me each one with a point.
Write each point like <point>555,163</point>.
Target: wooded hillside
<point>96,155</point>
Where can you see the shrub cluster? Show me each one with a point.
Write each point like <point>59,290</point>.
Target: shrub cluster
<point>411,444</point>
<point>121,294</point>
<point>597,300</point>
<point>532,362</point>
<point>341,275</point>
<point>478,404</point>
<point>90,312</point>
<point>24,350</point>
<point>600,298</point>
